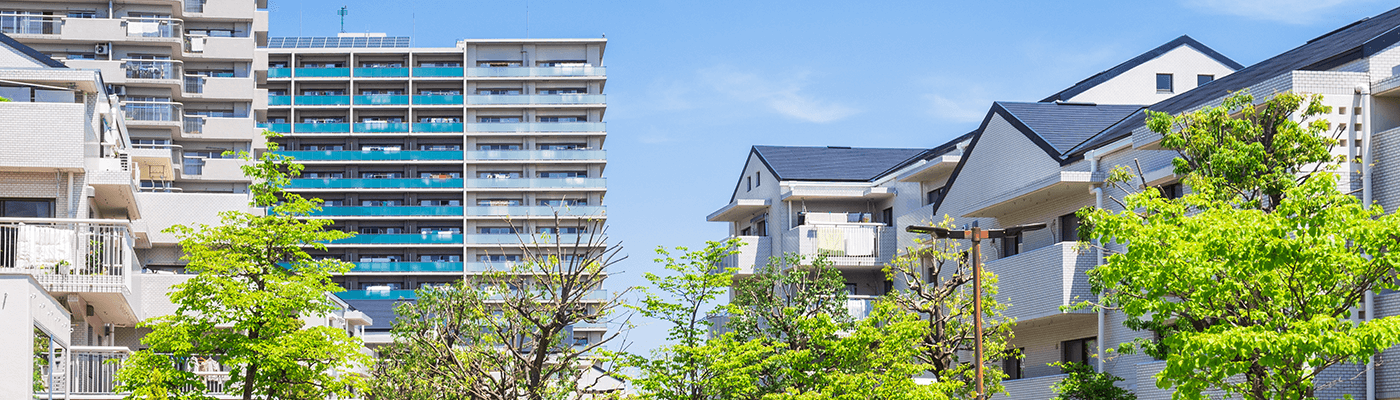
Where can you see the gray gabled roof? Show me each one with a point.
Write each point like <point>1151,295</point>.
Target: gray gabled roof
<point>29,51</point>
<point>1349,43</point>
<point>1062,126</point>
<point>1096,79</point>
<point>832,163</point>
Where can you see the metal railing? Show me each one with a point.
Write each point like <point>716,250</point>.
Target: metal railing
<point>28,24</point>
<point>152,27</point>
<point>194,84</point>
<point>194,124</point>
<point>92,369</point>
<point>152,69</point>
<point>60,252</point>
<point>194,6</point>
<point>853,241</point>
<point>151,111</point>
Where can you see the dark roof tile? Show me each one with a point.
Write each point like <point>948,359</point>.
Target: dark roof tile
<point>832,163</point>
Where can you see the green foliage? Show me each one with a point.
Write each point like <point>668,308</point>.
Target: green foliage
<point>780,296</point>
<point>253,286</point>
<point>4,100</point>
<point>944,307</point>
<point>504,334</point>
<point>1256,272</point>
<point>1083,383</point>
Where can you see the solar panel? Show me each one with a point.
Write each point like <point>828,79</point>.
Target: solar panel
<point>336,42</point>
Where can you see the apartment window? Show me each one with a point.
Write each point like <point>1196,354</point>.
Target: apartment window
<point>1010,246</point>
<point>26,208</point>
<point>316,174</point>
<point>381,175</point>
<point>933,196</point>
<point>1078,350</point>
<point>489,92</point>
<point>381,203</point>
<point>757,179</point>
<point>439,147</point>
<point>440,175</point>
<point>1164,83</point>
<point>1357,127</point>
<point>760,228</point>
<point>748,186</point>
<point>580,340</point>
<point>440,203</point>
<point>497,64</point>
<point>562,63</point>
<point>380,230</point>
<point>1069,227</point>
<point>380,258</point>
<point>82,14</point>
<point>850,289</point>
<point>498,175</point>
<point>498,119</point>
<point>563,119</point>
<point>497,202</point>
<point>563,146</point>
<point>1204,79</point>
<point>440,92</point>
<point>440,258</point>
<point>439,64</point>
<point>572,230</point>
<point>1172,191</point>
<point>748,231</point>
<point>563,174</point>
<point>315,147</point>
<point>332,203</point>
<point>499,258</point>
<point>1341,111</point>
<point>887,216</point>
<point>498,147</point>
<point>1011,364</point>
<point>562,91</point>
<point>563,202</point>
<point>381,147</point>
<point>439,229</point>
<point>496,230</point>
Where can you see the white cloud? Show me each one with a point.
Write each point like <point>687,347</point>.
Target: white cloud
<point>964,107</point>
<point>1286,11</point>
<point>785,95</point>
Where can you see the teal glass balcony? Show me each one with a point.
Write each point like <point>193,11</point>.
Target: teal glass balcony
<point>437,127</point>
<point>273,100</point>
<point>321,127</point>
<point>403,238</point>
<point>538,99</point>
<point>376,295</point>
<point>516,239</point>
<point>429,267</point>
<point>530,211</point>
<point>381,72</point>
<point>585,70</point>
<point>381,127</point>
<point>323,72</point>
<point>526,183</point>
<point>369,211</point>
<point>279,72</point>
<point>537,155</point>
<point>323,100</point>
<point>381,99</point>
<point>373,155</point>
<point>537,127</point>
<point>437,99</point>
<point>374,183</point>
<point>434,72</point>
<point>276,127</point>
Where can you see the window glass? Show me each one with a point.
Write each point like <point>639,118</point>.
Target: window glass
<point>563,174</point>
<point>1204,79</point>
<point>1078,350</point>
<point>26,208</point>
<point>1164,82</point>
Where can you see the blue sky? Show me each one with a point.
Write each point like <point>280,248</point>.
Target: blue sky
<point>693,84</point>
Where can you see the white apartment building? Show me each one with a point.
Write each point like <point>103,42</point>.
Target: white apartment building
<point>441,160</point>
<point>1042,161</point>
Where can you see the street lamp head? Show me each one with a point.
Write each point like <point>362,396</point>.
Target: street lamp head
<point>1018,229</point>
<point>935,231</point>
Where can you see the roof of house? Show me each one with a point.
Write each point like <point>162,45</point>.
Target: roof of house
<point>1349,43</point>
<point>1059,127</point>
<point>1101,77</point>
<point>30,52</point>
<point>831,163</point>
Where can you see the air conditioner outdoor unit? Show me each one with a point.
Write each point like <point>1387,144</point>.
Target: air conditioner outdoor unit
<point>102,49</point>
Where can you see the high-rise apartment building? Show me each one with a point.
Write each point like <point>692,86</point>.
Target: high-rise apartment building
<point>441,160</point>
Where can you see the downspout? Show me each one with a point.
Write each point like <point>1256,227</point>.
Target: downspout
<point>72,211</point>
<point>1093,157</point>
<point>1366,161</point>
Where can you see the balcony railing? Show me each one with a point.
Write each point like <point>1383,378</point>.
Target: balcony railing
<point>279,127</point>
<point>151,111</point>
<point>152,69</point>
<point>321,127</point>
<point>537,127</point>
<point>399,294</point>
<point>92,369</point>
<point>389,211</point>
<point>373,155</point>
<point>437,72</point>
<point>436,127</point>
<point>153,27</point>
<point>381,127</point>
<point>375,183</point>
<point>323,72</point>
<point>28,24</point>
<point>194,84</point>
<point>381,72</point>
<point>538,183</point>
<point>859,307</point>
<point>1037,388</point>
<point>279,72</point>
<point>437,99</point>
<point>582,70</point>
<point>306,100</point>
<point>69,255</point>
<point>194,124</point>
<point>279,100</point>
<point>537,155</point>
<point>381,99</point>
<point>538,99</point>
<point>841,244</point>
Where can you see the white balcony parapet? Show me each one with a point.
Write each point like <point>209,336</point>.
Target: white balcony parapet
<point>70,255</point>
<point>859,244</point>
<point>1037,388</point>
<point>753,251</point>
<point>1038,282</point>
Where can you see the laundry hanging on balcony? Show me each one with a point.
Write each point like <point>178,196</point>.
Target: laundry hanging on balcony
<point>39,247</point>
<point>831,242</point>
<point>860,242</point>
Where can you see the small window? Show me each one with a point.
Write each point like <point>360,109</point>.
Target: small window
<point>887,216</point>
<point>748,186</point>
<point>15,208</point>
<point>933,196</point>
<point>1164,83</point>
<point>1078,350</point>
<point>1203,79</point>
<point>1172,191</point>
<point>1357,127</point>
<point>746,232</point>
<point>1341,111</point>
<point>1069,227</point>
<point>1010,246</point>
<point>760,228</point>
<point>1011,363</point>
<point>496,230</point>
<point>757,179</point>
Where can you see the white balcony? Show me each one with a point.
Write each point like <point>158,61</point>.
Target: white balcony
<point>57,146</point>
<point>113,71</point>
<point>1030,388</point>
<point>231,128</point>
<point>220,48</point>
<point>115,183</point>
<point>1038,282</point>
<point>1054,187</point>
<point>219,88</point>
<point>754,251</point>
<point>92,258</point>
<point>91,370</point>
<point>213,169</point>
<point>844,245</point>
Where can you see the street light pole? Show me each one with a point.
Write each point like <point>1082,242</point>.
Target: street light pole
<point>976,235</point>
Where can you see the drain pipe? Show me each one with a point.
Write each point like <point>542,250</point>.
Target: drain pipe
<point>1369,302</point>
<point>1093,157</point>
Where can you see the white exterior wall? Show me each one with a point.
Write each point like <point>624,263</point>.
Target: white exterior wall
<point>1139,84</point>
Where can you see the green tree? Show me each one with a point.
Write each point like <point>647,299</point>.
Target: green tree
<point>505,334</point>
<point>684,369</point>
<point>1083,383</point>
<point>1253,277</point>
<point>938,276</point>
<point>254,285</point>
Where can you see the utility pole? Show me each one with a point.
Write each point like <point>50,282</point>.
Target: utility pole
<point>976,235</point>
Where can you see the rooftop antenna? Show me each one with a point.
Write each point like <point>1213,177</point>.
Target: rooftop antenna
<point>527,19</point>
<point>344,10</point>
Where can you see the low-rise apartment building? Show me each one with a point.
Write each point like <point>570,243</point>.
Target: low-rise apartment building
<point>1039,162</point>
